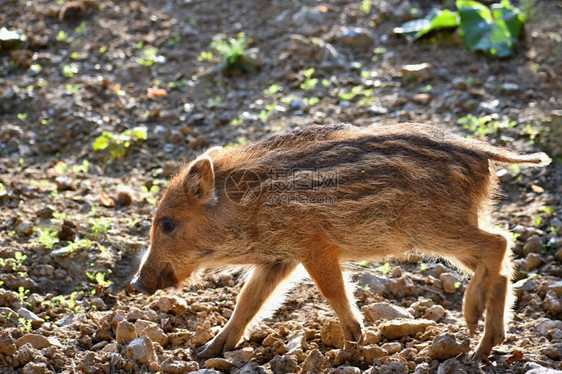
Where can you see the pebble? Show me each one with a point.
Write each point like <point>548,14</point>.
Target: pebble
<point>315,362</point>
<point>524,285</point>
<point>331,334</point>
<point>125,332</point>
<point>308,21</point>
<point>284,364</point>
<point>170,366</point>
<point>45,212</point>
<point>219,364</point>
<point>244,354</point>
<point>392,347</point>
<point>64,183</point>
<point>25,228</point>
<point>372,352</point>
<point>448,281</point>
<point>386,311</point>
<point>532,245</point>
<point>393,368</point>
<point>448,345</point>
<point>152,330</point>
<point>546,326</point>
<point>377,285</point>
<point>553,304</point>
<point>173,303</point>
<point>7,344</point>
<point>403,287</point>
<point>456,366</point>
<point>399,328</point>
<point>559,255</point>
<point>37,341</point>
<point>249,368</point>
<point>534,368</point>
<point>202,334</point>
<point>355,37</point>
<point>554,351</point>
<point>532,261</point>
<point>141,350</point>
<point>555,286</point>
<point>435,313</point>
<point>418,72</point>
<point>36,321</point>
<point>345,370</point>
<point>372,336</point>
<point>460,83</point>
<point>124,196</point>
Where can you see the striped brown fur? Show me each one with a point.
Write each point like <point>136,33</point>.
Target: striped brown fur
<point>326,194</point>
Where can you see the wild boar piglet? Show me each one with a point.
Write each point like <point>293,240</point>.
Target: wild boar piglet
<point>326,194</point>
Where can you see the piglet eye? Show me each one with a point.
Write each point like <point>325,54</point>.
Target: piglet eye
<point>167,225</point>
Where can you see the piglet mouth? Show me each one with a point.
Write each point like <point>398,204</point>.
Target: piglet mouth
<point>145,284</point>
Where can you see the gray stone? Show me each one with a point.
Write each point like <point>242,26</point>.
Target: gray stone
<point>386,311</point>
<point>125,332</point>
<point>331,334</point>
<point>244,354</point>
<point>449,345</point>
<point>554,351</point>
<point>36,321</point>
<point>141,350</point>
<point>284,364</point>
<point>532,245</point>
<point>355,37</point>
<point>544,327</point>
<point>376,284</point>
<point>345,370</point>
<point>555,286</point>
<point>448,281</point>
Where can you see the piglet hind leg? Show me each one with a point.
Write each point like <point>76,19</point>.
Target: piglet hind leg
<point>261,284</point>
<point>323,266</point>
<point>488,289</point>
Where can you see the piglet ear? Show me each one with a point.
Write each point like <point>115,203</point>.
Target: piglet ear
<point>199,179</point>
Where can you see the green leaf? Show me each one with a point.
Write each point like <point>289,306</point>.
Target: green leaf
<point>436,19</point>
<point>494,32</point>
<point>101,142</point>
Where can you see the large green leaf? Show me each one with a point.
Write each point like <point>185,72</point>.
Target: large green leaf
<point>494,32</point>
<point>434,20</point>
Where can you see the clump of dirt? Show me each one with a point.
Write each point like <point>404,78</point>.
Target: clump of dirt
<point>75,217</point>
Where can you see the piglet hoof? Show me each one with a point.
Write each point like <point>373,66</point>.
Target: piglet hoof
<point>214,348</point>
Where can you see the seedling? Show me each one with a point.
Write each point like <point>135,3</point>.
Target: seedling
<point>117,144</point>
<point>47,236</point>
<point>99,281</point>
<point>309,82</point>
<point>100,225</point>
<point>234,52</point>
<point>25,324</point>
<point>385,268</point>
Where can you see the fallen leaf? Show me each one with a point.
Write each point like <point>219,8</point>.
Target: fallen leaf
<point>106,200</point>
<point>537,189</point>
<point>515,356</point>
<point>157,92</point>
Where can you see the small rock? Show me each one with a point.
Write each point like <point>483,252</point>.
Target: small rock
<point>448,281</point>
<point>554,351</point>
<point>392,347</point>
<point>295,341</point>
<point>64,183</point>
<point>219,364</point>
<point>400,328</point>
<point>153,331</point>
<point>423,368</point>
<point>331,334</point>
<point>555,286</point>
<point>460,83</point>
<point>244,354</point>
<point>377,285</point>
<point>345,370</point>
<point>532,261</point>
<point>510,87</point>
<point>553,304</point>
<point>458,366</point>
<point>403,287</point>
<point>546,326</point>
<point>422,98</point>
<point>435,313</point>
<point>315,362</point>
<point>36,368</point>
<point>174,304</point>
<point>45,212</point>
<point>393,368</point>
<point>202,334</point>
<point>309,21</point>
<point>249,368</point>
<point>559,255</point>
<point>534,368</point>
<point>532,245</point>
<point>124,196</point>
<point>141,350</point>
<point>25,228</point>
<point>379,311</point>
<point>110,348</point>
<point>170,366</point>
<point>448,345</point>
<point>372,336</point>
<point>355,37</point>
<point>68,231</point>
<point>125,332</point>
<point>371,352</point>
<point>418,72</point>
<point>37,341</point>
<point>284,364</point>
<point>181,337</point>
<point>36,321</point>
<point>7,344</point>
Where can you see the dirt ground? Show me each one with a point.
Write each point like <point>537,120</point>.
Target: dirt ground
<point>75,220</point>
